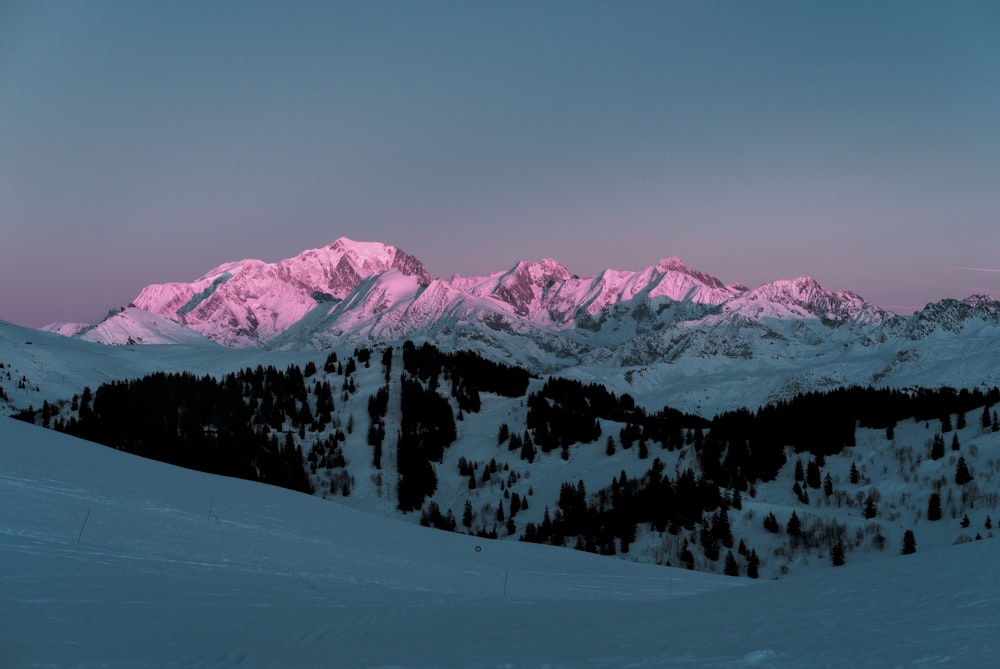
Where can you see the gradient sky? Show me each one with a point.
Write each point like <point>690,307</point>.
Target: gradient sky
<point>144,142</point>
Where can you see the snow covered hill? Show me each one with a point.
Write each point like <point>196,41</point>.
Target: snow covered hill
<point>896,471</point>
<point>37,366</point>
<point>114,561</point>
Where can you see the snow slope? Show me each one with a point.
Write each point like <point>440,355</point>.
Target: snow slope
<point>132,326</point>
<point>36,366</point>
<point>114,561</point>
<point>896,470</point>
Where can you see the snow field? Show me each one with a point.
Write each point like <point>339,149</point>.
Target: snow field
<point>180,569</point>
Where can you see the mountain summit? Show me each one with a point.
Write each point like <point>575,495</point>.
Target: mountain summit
<point>250,302</point>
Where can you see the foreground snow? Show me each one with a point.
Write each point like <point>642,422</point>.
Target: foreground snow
<point>181,569</point>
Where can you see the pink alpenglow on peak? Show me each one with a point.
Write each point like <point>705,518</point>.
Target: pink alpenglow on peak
<point>250,302</point>
<point>803,297</point>
<point>674,264</point>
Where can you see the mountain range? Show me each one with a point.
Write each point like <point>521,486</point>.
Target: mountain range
<point>634,329</point>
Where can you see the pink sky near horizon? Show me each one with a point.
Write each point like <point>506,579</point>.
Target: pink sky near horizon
<point>145,142</point>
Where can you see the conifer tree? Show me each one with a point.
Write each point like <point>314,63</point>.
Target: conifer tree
<point>467,514</point>
<point>870,509</point>
<point>854,475</point>
<point>909,543</point>
<point>813,475</point>
<point>687,557</point>
<point>794,526</point>
<point>709,544</point>
<point>837,554</point>
<point>937,447</point>
<point>946,423</point>
<point>934,507</point>
<point>962,475</point>
<point>753,564</point>
<point>515,504</point>
<point>731,568</point>
<point>721,529</point>
<point>527,448</point>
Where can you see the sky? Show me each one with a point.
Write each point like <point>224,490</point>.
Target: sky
<point>145,142</point>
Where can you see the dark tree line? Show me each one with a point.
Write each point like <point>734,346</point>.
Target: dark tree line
<point>743,446</point>
<point>566,412</point>
<point>378,404</point>
<point>738,449</point>
<point>594,524</point>
<point>427,427</point>
<point>233,426</point>
<point>469,373</point>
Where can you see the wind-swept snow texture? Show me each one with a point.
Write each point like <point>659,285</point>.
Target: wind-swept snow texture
<point>114,561</point>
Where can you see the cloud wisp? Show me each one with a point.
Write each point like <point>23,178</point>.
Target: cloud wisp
<point>991,270</point>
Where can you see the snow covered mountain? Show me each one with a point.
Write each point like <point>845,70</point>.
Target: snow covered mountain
<point>371,291</point>
<point>665,328</point>
<point>250,302</point>
<point>368,290</point>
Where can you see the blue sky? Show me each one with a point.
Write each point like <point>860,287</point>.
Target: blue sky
<point>144,142</point>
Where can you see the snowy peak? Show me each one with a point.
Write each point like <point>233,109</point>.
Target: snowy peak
<point>547,292</point>
<point>338,268</point>
<point>251,302</point>
<point>803,297</point>
<point>677,281</point>
<point>526,284</point>
<point>954,316</point>
<point>673,264</point>
<point>983,303</point>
